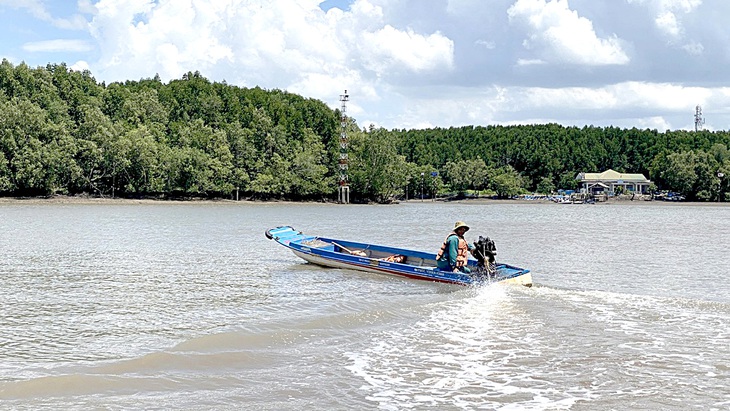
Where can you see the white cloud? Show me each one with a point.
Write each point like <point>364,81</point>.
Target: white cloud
<point>86,7</point>
<point>409,66</point>
<point>57,46</point>
<point>694,48</point>
<point>141,37</point>
<point>621,103</point>
<point>559,34</point>
<point>668,14</point>
<point>34,7</point>
<point>530,62</point>
<point>38,10</point>
<point>322,84</point>
<point>490,45</point>
<point>80,65</point>
<point>390,49</point>
<point>626,95</point>
<point>653,123</point>
<point>667,22</point>
<point>289,44</point>
<point>685,6</point>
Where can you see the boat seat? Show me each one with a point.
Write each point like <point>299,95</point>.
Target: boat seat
<point>421,262</point>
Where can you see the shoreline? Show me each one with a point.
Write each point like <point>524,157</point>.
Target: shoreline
<point>61,199</point>
<point>612,202</point>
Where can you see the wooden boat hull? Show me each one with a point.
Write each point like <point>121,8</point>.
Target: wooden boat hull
<point>373,258</point>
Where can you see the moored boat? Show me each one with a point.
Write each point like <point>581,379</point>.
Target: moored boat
<point>381,259</point>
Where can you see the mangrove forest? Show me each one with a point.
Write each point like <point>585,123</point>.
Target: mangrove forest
<point>63,132</point>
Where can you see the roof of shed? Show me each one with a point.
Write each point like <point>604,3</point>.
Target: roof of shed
<point>612,175</point>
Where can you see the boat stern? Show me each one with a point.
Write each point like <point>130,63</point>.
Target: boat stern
<point>523,279</point>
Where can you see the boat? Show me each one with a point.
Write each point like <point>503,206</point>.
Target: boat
<point>393,261</point>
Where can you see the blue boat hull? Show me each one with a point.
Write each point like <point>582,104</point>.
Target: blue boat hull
<point>378,259</point>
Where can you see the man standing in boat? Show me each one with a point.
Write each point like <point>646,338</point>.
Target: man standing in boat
<point>454,252</point>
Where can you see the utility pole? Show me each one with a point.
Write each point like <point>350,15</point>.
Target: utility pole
<point>720,175</point>
<point>422,187</point>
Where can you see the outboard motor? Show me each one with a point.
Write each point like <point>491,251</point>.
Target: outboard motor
<point>485,252</point>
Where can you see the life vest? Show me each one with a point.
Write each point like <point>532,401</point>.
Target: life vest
<point>462,251</point>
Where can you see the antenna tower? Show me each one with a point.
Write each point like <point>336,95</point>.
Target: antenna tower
<point>343,190</point>
<point>699,121</point>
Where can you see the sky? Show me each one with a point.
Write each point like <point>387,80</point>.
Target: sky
<point>410,64</point>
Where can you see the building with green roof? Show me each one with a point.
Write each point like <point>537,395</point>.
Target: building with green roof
<point>609,180</point>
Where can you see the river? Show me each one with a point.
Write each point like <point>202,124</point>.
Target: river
<point>189,306</point>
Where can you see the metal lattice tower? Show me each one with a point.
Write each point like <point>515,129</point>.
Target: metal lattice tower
<point>699,121</point>
<point>343,190</point>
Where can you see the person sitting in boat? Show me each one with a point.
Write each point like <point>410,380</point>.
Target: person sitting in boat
<point>454,252</point>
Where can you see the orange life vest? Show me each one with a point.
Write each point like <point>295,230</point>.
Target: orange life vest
<point>462,255</point>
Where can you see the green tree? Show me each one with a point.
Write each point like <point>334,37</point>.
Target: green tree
<point>245,159</point>
<point>35,154</point>
<point>377,171</point>
<point>567,181</point>
<point>101,156</point>
<point>545,186</point>
<point>144,173</point>
<point>275,180</point>
<point>204,158</point>
<point>466,174</point>
<point>309,168</point>
<point>507,182</point>
<point>690,173</point>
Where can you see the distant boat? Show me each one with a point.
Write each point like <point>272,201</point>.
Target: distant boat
<point>380,259</point>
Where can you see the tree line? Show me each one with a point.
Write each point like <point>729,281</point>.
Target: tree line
<point>62,132</point>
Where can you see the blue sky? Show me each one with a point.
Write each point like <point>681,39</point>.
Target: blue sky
<point>408,63</point>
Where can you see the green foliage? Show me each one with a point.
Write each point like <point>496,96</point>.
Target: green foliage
<point>545,186</point>
<point>63,132</point>
<point>421,182</point>
<point>467,174</point>
<point>568,181</point>
<point>377,171</point>
<point>690,173</point>
<point>507,182</point>
<point>309,167</point>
